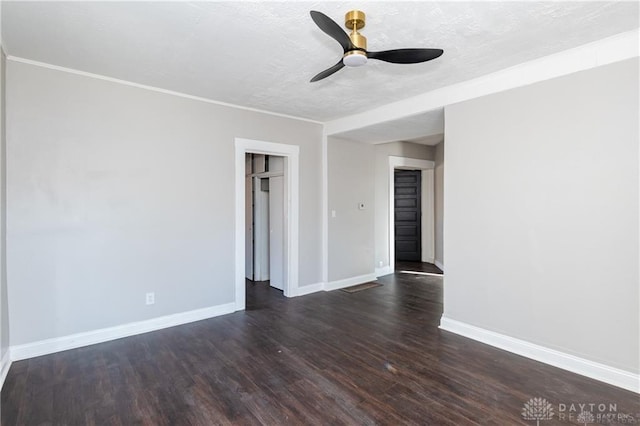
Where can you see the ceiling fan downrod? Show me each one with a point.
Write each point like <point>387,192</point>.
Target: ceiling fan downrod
<point>354,20</point>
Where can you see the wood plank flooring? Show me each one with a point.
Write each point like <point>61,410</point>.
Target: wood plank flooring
<point>372,357</point>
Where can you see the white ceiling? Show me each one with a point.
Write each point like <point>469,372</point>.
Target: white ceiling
<point>262,54</point>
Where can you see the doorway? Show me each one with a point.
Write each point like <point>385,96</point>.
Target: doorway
<point>264,219</point>
<point>290,206</point>
<point>408,215</point>
<point>427,207</point>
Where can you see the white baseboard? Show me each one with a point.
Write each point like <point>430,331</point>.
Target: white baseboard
<point>604,373</point>
<point>308,289</point>
<point>5,365</point>
<point>385,270</point>
<point>439,264</point>
<point>49,346</point>
<point>348,282</point>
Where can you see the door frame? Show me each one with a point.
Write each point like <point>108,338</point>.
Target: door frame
<point>276,231</point>
<point>260,232</point>
<point>250,257</point>
<point>291,154</point>
<point>428,203</point>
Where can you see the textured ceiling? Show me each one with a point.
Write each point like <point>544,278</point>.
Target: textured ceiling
<point>262,54</point>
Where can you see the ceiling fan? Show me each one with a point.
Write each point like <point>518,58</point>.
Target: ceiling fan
<point>355,45</point>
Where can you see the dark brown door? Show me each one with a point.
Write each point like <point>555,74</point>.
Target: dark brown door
<point>408,240</point>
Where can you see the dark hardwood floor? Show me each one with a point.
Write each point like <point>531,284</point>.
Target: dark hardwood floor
<point>418,267</point>
<point>372,357</point>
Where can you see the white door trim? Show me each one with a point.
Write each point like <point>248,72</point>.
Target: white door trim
<point>248,219</point>
<point>291,173</point>
<point>276,232</point>
<point>428,198</point>
<point>428,221</point>
<point>260,232</point>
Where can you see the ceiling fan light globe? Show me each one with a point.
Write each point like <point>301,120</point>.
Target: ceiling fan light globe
<point>354,59</point>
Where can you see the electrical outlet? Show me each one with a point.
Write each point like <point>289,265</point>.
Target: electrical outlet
<point>380,264</point>
<point>151,298</point>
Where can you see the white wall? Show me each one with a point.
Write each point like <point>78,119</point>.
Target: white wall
<point>439,202</point>
<point>115,191</point>
<point>351,232</point>
<point>382,153</point>
<point>542,217</point>
<point>4,310</point>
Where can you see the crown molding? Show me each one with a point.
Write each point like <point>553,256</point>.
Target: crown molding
<point>153,88</point>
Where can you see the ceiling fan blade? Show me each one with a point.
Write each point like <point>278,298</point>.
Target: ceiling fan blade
<point>406,56</point>
<point>326,73</point>
<point>332,29</point>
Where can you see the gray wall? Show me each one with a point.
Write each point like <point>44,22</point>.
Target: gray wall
<point>351,232</point>
<point>115,191</point>
<point>382,153</point>
<point>438,176</point>
<point>4,309</point>
<point>542,214</point>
